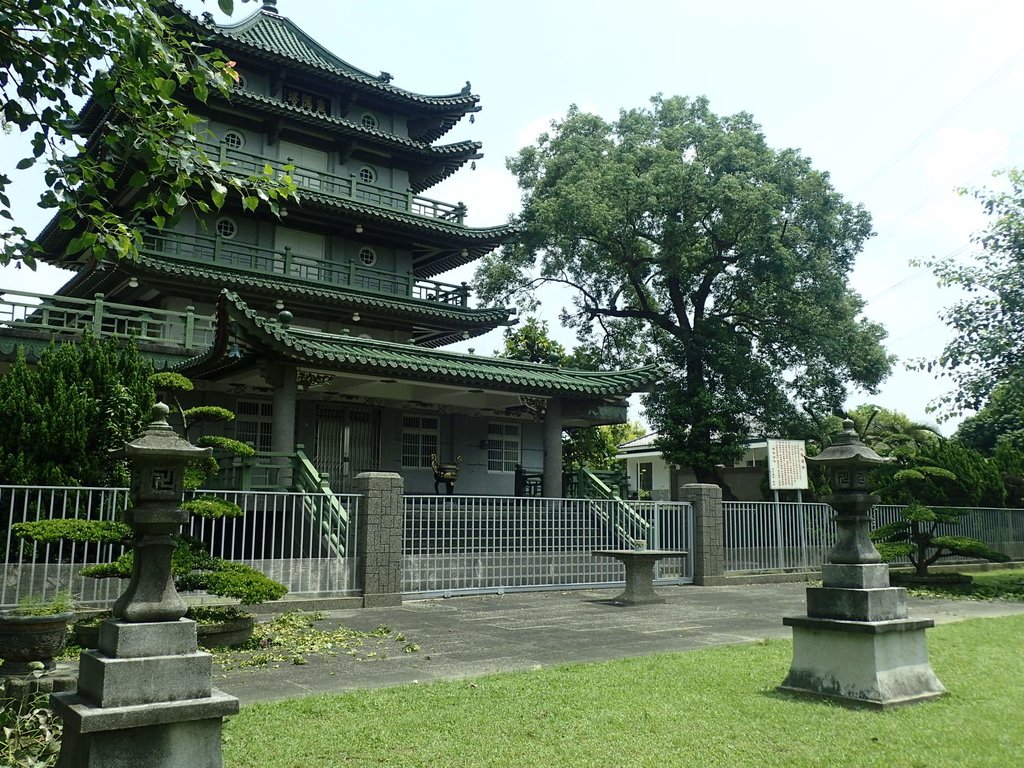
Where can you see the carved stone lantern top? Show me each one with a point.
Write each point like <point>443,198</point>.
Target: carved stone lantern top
<point>161,442</point>
<point>848,451</point>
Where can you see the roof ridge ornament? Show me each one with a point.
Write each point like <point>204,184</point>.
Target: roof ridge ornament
<point>270,5</point>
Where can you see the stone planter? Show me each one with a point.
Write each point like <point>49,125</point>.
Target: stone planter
<point>28,639</point>
<point>932,580</point>
<point>229,633</point>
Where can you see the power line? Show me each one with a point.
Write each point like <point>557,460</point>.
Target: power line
<point>914,276</point>
<point>935,125</point>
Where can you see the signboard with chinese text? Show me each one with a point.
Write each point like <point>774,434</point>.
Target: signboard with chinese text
<point>787,470</point>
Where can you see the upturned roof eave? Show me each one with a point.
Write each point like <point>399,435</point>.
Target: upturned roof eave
<point>475,321</point>
<point>414,147</point>
<point>228,35</point>
<point>374,357</point>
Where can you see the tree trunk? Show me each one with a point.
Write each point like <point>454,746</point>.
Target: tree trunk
<point>706,475</point>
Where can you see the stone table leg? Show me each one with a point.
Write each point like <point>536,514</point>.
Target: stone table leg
<point>639,582</point>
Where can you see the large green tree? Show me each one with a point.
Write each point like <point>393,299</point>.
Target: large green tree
<point>987,348</point>
<point>126,59</point>
<point>680,237</point>
<point>1000,420</point>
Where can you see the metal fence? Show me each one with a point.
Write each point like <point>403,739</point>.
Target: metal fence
<point>41,570</point>
<point>452,544</point>
<point>1001,529</point>
<point>765,536</point>
<point>294,538</point>
<point>482,544</point>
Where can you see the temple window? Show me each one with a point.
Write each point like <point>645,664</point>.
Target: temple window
<point>420,438</point>
<point>226,227</point>
<point>503,447</point>
<point>233,140</point>
<point>254,421</point>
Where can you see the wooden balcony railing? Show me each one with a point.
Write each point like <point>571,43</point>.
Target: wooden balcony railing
<point>65,315</point>
<point>288,263</point>
<point>349,188</point>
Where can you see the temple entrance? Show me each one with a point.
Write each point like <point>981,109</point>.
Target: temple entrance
<point>347,443</point>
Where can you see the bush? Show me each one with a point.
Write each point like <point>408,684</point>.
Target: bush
<point>914,537</point>
<point>63,415</point>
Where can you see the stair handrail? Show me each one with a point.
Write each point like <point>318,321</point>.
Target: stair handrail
<point>308,479</point>
<point>628,523</point>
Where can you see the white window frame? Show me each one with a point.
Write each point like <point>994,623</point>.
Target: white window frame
<point>504,439</point>
<point>423,429</point>
<point>260,423</point>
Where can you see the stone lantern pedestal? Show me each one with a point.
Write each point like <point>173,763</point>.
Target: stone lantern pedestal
<point>144,696</point>
<point>857,643</point>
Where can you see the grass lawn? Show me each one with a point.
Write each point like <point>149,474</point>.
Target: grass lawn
<point>716,707</point>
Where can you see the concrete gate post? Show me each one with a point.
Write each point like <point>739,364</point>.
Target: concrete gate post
<point>708,555</point>
<point>379,531</point>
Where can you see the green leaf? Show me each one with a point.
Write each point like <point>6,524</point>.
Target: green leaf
<point>250,202</point>
<point>26,162</point>
<point>165,87</point>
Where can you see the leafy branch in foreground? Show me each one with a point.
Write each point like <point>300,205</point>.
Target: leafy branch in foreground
<point>102,90</point>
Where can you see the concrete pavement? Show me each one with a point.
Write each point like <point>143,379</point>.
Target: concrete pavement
<point>463,637</point>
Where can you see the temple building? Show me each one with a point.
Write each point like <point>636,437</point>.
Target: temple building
<point>326,327</point>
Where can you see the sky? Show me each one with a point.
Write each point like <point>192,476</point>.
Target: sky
<point>901,102</point>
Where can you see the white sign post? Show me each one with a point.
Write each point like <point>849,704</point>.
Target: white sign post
<point>787,471</point>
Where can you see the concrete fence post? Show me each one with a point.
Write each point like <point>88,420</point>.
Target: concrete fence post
<point>708,555</point>
<point>381,521</point>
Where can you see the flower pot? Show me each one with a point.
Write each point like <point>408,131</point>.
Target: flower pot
<point>931,580</point>
<point>230,632</point>
<point>28,639</point>
<point>86,635</point>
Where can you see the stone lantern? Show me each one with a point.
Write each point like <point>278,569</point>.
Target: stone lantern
<point>848,462</point>
<point>856,642</point>
<point>145,694</point>
<point>157,461</point>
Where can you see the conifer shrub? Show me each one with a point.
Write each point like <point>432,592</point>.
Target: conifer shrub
<point>192,566</point>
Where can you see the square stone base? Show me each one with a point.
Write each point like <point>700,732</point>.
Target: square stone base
<point>183,734</point>
<point>878,664</point>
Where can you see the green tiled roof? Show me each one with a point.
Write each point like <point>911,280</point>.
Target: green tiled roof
<point>475,242</point>
<point>437,161</point>
<point>348,297</point>
<point>469,149</point>
<point>402,361</point>
<point>270,33</point>
<point>439,323</point>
